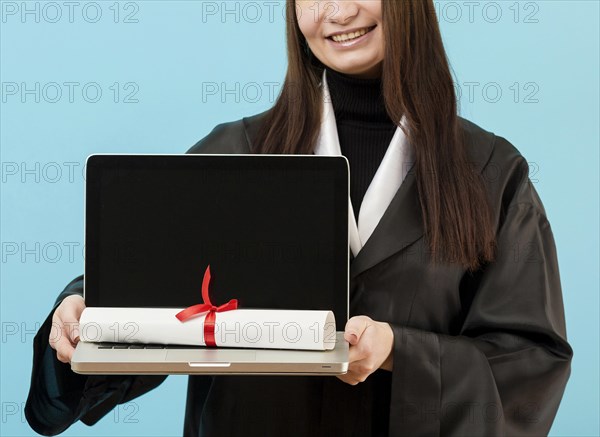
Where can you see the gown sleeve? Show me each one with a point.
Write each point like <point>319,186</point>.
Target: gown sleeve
<point>58,397</point>
<point>505,371</point>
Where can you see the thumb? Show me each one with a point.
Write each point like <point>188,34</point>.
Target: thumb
<point>355,328</point>
<point>70,318</point>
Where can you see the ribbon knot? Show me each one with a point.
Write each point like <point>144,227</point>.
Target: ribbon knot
<point>207,306</point>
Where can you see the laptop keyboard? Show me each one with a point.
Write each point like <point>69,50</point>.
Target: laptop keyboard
<point>144,346</point>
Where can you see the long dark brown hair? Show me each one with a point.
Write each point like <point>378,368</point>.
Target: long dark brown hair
<point>417,83</point>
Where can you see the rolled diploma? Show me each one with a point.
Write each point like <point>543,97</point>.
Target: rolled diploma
<point>240,328</point>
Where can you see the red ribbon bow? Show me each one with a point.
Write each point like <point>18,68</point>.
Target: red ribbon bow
<point>209,321</point>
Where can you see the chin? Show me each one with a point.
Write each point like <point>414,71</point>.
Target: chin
<point>354,65</point>
<point>373,70</point>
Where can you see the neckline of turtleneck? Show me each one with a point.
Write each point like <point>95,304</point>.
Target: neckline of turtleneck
<point>357,99</point>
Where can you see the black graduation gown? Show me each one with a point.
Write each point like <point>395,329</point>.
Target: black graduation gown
<point>474,354</point>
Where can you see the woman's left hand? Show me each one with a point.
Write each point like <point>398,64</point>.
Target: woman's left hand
<point>371,347</point>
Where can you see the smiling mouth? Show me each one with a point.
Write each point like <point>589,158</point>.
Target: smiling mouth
<point>352,35</point>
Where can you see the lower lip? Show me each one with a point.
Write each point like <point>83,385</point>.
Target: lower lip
<point>352,43</point>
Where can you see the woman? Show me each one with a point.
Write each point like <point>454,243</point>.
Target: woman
<point>458,324</point>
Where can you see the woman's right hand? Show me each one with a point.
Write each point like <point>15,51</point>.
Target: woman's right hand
<point>64,334</point>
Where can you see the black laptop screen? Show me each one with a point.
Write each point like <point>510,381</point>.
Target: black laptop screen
<point>273,228</point>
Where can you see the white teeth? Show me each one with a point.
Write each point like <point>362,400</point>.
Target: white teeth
<point>349,36</point>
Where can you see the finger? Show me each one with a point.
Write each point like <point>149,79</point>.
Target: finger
<point>71,331</point>
<point>64,348</point>
<point>361,369</point>
<point>70,316</point>
<point>356,353</point>
<point>55,331</point>
<point>355,328</point>
<point>348,378</point>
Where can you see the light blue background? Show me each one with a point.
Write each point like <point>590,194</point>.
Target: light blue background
<point>173,52</point>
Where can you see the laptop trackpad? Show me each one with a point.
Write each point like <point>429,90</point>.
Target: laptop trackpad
<point>210,355</point>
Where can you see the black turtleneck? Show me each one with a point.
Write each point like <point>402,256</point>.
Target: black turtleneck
<point>364,128</point>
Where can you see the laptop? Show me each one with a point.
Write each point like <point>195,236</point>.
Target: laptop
<point>273,228</point>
